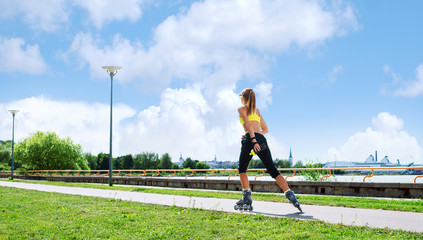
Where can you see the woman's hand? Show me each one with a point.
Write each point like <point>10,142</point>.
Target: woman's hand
<point>256,147</point>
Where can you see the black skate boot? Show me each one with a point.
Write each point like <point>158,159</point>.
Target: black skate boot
<point>245,202</point>
<point>291,197</point>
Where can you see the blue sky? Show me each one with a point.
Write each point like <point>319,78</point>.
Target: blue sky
<point>334,79</point>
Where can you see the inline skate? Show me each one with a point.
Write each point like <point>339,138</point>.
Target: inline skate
<point>291,197</point>
<point>245,203</point>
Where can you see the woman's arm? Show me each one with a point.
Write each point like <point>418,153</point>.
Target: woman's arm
<point>263,125</point>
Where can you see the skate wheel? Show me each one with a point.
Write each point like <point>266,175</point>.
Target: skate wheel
<point>236,207</point>
<point>299,208</point>
<point>297,205</point>
<point>251,208</point>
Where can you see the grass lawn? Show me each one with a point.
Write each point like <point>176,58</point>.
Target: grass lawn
<point>414,205</point>
<point>28,214</point>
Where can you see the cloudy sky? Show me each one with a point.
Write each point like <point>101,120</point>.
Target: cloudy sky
<point>334,79</point>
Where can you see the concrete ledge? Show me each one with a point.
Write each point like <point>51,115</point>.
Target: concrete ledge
<point>367,189</point>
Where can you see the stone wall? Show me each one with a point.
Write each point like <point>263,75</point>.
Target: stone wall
<point>394,190</point>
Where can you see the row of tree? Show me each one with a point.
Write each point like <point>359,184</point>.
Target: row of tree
<point>5,154</point>
<point>46,151</point>
<point>257,163</point>
<point>144,160</point>
<point>139,161</point>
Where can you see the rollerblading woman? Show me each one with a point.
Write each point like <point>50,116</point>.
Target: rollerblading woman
<point>255,127</point>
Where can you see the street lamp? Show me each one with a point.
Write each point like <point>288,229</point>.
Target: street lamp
<point>111,70</point>
<point>13,112</point>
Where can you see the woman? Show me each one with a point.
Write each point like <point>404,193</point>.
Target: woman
<point>255,126</point>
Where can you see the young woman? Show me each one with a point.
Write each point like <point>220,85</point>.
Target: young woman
<point>255,126</point>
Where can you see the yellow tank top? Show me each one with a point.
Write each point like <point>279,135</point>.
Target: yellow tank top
<point>252,117</point>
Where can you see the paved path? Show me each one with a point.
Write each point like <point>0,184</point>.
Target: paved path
<point>349,216</point>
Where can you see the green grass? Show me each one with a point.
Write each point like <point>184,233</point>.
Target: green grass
<point>28,214</point>
<point>415,205</point>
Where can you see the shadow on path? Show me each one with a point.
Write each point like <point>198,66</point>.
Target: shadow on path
<point>298,215</point>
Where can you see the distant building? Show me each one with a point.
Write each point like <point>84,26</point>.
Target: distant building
<point>181,161</point>
<point>213,163</point>
<point>290,157</point>
<point>370,162</point>
<point>217,164</point>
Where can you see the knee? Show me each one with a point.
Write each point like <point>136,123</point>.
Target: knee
<point>242,170</point>
<point>274,174</point>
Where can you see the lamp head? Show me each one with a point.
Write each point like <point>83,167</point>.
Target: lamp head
<point>13,111</point>
<point>111,69</point>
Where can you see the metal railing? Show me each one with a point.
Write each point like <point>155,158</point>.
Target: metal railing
<point>192,172</point>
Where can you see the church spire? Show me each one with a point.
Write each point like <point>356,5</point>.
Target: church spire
<point>290,156</point>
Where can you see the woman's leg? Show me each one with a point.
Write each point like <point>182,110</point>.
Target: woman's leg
<point>266,157</point>
<point>282,183</point>
<point>244,181</point>
<point>244,160</point>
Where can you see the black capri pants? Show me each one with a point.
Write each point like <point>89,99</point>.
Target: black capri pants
<point>264,155</point>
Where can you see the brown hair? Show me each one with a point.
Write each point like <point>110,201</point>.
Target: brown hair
<point>250,100</point>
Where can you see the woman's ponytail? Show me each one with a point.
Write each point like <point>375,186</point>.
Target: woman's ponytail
<point>250,100</point>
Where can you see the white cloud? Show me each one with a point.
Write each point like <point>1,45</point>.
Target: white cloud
<point>387,123</point>
<point>16,56</point>
<point>86,124</point>
<point>121,52</point>
<point>414,88</point>
<point>44,15</point>
<point>264,94</point>
<point>185,123</point>
<point>209,47</point>
<point>387,137</point>
<point>334,73</point>
<point>218,42</point>
<point>104,11</point>
<point>50,15</point>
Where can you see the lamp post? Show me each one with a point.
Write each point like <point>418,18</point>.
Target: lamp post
<point>13,112</point>
<point>111,70</point>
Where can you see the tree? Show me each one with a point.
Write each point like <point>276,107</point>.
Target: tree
<point>313,175</point>
<point>118,163</point>
<point>6,156</point>
<point>91,160</point>
<point>299,164</point>
<point>103,161</point>
<point>175,166</point>
<point>189,163</point>
<point>256,163</point>
<point>146,161</point>
<point>282,163</point>
<point>127,161</point>
<point>46,151</point>
<point>201,165</point>
<point>165,162</point>
<point>5,152</point>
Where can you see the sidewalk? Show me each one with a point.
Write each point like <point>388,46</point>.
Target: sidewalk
<point>348,216</point>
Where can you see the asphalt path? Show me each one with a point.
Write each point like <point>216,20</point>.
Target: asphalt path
<point>408,221</point>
